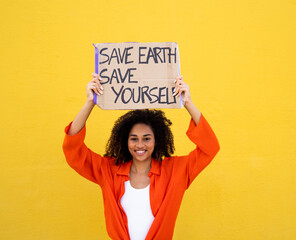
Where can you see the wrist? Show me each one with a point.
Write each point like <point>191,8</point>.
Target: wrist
<point>187,103</point>
<point>90,103</point>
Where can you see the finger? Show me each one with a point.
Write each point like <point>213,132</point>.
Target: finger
<point>92,86</point>
<point>94,89</point>
<point>99,89</point>
<point>179,82</point>
<point>179,91</point>
<point>179,78</point>
<point>99,84</point>
<point>94,75</point>
<point>182,90</point>
<point>176,91</point>
<point>96,83</point>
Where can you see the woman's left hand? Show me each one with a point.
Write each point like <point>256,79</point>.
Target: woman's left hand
<point>182,88</point>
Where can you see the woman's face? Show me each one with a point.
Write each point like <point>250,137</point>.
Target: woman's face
<point>141,142</point>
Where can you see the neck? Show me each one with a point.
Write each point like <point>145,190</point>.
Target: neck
<point>141,167</point>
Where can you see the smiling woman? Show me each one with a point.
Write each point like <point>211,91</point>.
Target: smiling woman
<point>141,143</point>
<point>142,184</point>
<point>130,129</point>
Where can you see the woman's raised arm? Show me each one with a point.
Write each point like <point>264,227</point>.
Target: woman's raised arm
<point>93,86</point>
<point>182,88</point>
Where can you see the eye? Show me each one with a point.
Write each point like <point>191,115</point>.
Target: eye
<point>147,139</point>
<point>133,139</point>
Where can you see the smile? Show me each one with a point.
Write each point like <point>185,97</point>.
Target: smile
<point>140,152</point>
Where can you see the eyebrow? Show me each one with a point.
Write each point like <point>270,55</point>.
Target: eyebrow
<point>145,135</point>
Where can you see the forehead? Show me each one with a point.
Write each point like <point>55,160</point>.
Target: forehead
<point>141,129</point>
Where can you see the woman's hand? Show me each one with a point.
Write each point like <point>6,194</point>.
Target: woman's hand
<point>182,88</point>
<point>94,86</point>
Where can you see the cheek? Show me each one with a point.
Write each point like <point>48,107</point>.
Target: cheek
<point>152,145</point>
<point>129,145</point>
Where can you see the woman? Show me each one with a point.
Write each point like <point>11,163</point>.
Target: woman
<point>142,184</point>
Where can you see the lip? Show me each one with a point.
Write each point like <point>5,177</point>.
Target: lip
<point>140,152</point>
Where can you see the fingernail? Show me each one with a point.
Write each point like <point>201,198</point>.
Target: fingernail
<point>101,87</point>
<point>101,92</point>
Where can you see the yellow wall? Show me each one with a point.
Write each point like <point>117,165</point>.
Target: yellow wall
<point>237,56</point>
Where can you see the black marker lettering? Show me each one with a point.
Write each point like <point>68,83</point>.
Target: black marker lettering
<point>172,54</point>
<point>140,55</point>
<point>144,92</point>
<point>150,55</point>
<point>101,53</point>
<point>131,75</point>
<point>121,57</point>
<point>123,94</point>
<point>139,95</point>
<point>117,94</point>
<point>104,77</point>
<point>167,96</point>
<point>163,50</point>
<point>127,54</point>
<point>153,95</point>
<point>114,75</point>
<point>123,79</point>
<point>157,51</point>
<point>114,55</point>
<point>161,95</point>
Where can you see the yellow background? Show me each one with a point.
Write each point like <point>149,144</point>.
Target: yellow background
<point>238,58</point>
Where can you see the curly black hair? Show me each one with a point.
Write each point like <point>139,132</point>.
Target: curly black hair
<point>117,146</point>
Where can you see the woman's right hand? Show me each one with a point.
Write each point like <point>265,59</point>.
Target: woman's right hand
<point>94,86</point>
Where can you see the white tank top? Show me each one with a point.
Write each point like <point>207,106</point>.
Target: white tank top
<point>136,204</point>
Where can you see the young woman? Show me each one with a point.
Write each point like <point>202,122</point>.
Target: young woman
<point>142,184</point>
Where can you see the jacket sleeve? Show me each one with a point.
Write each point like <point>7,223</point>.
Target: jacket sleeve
<point>84,161</point>
<point>207,147</point>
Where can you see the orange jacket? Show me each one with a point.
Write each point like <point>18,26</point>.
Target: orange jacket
<point>168,180</point>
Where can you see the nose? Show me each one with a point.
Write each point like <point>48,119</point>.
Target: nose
<point>140,144</point>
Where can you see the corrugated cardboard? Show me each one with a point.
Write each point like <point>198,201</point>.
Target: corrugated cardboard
<point>137,75</point>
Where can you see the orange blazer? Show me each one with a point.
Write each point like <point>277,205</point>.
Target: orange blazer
<point>168,180</point>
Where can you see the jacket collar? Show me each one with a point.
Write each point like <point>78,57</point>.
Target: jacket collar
<point>124,168</point>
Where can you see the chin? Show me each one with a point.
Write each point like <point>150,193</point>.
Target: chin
<point>142,158</point>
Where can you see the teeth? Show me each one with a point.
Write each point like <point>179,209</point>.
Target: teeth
<point>140,151</point>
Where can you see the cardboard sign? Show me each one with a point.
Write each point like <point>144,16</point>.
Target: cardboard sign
<point>137,75</point>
